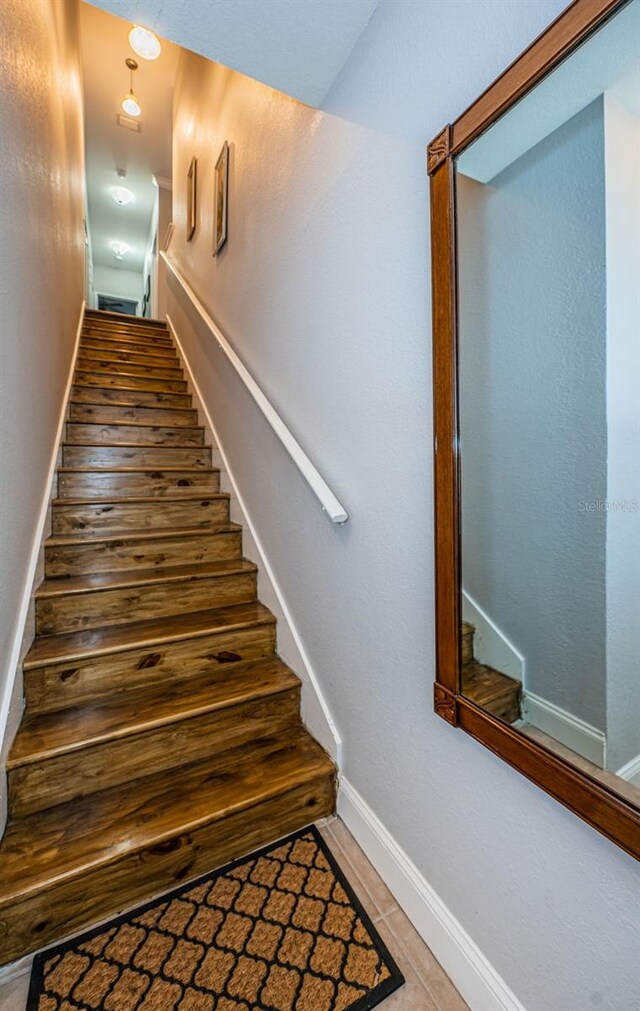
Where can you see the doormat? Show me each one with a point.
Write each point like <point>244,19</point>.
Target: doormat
<point>280,930</point>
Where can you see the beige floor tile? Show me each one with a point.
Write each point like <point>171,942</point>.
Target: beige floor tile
<point>429,970</point>
<point>13,996</point>
<point>412,996</point>
<point>382,898</point>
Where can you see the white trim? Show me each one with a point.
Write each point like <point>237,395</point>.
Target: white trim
<point>491,646</point>
<point>316,711</point>
<point>334,509</point>
<point>565,727</point>
<point>477,980</point>
<point>631,771</point>
<point>17,649</point>
<point>163,183</point>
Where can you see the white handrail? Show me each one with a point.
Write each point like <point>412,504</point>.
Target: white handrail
<point>335,510</point>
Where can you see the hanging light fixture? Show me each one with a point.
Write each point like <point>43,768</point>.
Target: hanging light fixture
<point>144,43</point>
<point>130,103</point>
<point>119,248</point>
<point>121,195</point>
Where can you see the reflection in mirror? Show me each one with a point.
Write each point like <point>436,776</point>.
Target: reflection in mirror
<point>548,218</point>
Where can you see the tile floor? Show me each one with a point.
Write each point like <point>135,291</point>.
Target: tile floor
<point>427,986</point>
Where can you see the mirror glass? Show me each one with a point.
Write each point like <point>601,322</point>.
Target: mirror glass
<point>548,219</point>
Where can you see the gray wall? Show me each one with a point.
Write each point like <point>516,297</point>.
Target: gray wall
<point>324,289</point>
<point>533,409</point>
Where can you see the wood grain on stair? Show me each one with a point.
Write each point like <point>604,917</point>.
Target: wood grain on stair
<point>93,857</point>
<point>66,554</point>
<point>132,512</point>
<point>114,414</point>
<point>95,377</point>
<point>103,599</point>
<point>499,694</point>
<point>93,347</point>
<point>84,482</point>
<point>128,433</point>
<point>162,734</point>
<point>127,397</point>
<point>138,456</point>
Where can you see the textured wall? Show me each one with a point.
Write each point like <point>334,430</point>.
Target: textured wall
<point>533,409</point>
<point>323,288</point>
<point>42,276</point>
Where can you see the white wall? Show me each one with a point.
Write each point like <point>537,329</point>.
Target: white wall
<point>622,160</point>
<point>41,281</point>
<point>324,289</point>
<point>114,281</point>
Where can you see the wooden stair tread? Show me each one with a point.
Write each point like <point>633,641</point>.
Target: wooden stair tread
<point>151,499</point>
<point>72,646</point>
<point>133,711</point>
<point>141,407</point>
<point>110,387</point>
<point>49,846</point>
<point>133,423</point>
<point>95,581</point>
<point>484,685</point>
<point>122,319</point>
<point>146,534</point>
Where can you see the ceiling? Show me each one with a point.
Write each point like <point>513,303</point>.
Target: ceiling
<point>296,46</point>
<point>105,47</point>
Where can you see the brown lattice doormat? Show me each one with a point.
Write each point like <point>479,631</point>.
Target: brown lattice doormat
<point>280,930</point>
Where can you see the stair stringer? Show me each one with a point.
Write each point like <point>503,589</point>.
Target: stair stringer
<point>316,713</point>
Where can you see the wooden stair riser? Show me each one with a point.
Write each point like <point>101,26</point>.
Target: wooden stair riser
<point>159,514</point>
<point>73,612</point>
<point>140,457</point>
<point>72,682</point>
<point>82,433</point>
<point>124,554</point>
<point>74,903</point>
<point>93,364</point>
<point>127,324</point>
<point>138,341</point>
<point>131,382</point>
<point>114,414</point>
<point>129,398</point>
<point>150,333</point>
<point>467,634</point>
<point>109,484</point>
<point>104,351</point>
<point>79,772</point>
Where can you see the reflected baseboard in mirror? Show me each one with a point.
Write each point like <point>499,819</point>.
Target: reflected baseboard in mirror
<point>537,422</point>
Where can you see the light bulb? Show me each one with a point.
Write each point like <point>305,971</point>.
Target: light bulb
<point>130,104</point>
<point>121,195</point>
<point>120,248</point>
<point>144,43</point>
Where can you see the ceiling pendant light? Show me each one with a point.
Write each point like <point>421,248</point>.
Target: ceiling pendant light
<point>119,248</point>
<point>121,195</point>
<point>144,43</point>
<point>130,103</point>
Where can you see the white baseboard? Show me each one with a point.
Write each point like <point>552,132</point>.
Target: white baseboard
<point>566,728</point>
<point>315,711</point>
<point>11,702</point>
<point>479,983</point>
<point>631,771</point>
<point>491,645</point>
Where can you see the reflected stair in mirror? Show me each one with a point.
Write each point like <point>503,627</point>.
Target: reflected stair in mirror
<point>495,692</point>
<point>162,735</point>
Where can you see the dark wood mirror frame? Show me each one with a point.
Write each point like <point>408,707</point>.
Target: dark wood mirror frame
<point>612,815</point>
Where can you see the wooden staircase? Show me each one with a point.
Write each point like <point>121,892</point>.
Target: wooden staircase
<point>494,691</point>
<point>162,733</point>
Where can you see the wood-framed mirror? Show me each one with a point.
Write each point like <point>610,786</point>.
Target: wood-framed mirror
<point>535,237</point>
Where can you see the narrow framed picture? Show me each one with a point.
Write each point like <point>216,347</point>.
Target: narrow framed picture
<point>192,175</point>
<point>220,196</point>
